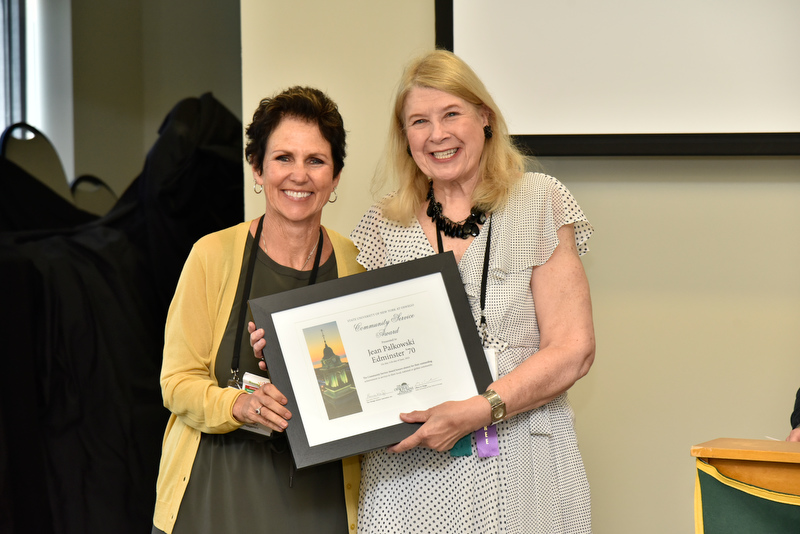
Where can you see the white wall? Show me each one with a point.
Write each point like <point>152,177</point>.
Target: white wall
<point>693,266</point>
<point>49,73</point>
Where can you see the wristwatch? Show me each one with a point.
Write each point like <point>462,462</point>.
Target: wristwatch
<point>497,404</point>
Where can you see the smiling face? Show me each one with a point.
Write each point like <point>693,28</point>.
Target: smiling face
<point>297,173</point>
<point>445,134</point>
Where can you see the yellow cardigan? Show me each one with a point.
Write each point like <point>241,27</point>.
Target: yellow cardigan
<point>195,325</point>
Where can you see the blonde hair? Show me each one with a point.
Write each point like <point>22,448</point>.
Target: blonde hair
<point>502,163</point>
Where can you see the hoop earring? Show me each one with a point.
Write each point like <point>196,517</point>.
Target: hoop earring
<point>260,187</point>
<point>335,198</point>
<point>487,131</point>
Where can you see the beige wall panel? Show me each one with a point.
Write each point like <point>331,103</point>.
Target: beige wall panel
<point>190,47</point>
<point>693,270</point>
<point>107,89</point>
<point>693,265</point>
<point>353,50</point>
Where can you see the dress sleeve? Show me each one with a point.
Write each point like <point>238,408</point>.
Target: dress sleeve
<point>368,238</point>
<point>567,211</point>
<point>527,226</point>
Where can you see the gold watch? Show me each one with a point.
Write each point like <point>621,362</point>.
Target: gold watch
<point>497,404</point>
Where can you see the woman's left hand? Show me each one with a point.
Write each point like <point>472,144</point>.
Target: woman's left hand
<point>266,406</point>
<point>444,424</point>
<point>258,343</point>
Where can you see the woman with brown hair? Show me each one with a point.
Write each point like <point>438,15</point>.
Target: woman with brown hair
<point>217,474</point>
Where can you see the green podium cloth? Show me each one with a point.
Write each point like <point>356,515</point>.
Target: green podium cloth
<point>726,506</point>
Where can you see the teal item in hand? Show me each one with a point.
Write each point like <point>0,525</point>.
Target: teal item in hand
<point>463,447</point>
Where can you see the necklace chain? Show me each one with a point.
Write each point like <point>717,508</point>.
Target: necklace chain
<point>463,229</point>
<point>264,242</point>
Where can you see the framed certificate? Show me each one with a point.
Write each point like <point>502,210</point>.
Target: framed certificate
<point>352,354</point>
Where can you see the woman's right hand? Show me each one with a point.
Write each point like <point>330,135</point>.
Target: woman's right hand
<point>258,343</point>
<point>265,406</point>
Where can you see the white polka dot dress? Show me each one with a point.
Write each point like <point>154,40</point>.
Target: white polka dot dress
<point>537,484</point>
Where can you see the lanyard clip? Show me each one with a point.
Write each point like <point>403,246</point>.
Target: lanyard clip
<point>233,382</point>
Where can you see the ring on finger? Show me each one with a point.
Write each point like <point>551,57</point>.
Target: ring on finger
<point>258,410</point>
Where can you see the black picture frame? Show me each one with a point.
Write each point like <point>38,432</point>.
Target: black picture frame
<point>263,309</point>
<point>677,144</point>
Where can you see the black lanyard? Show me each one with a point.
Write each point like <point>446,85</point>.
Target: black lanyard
<point>248,281</point>
<point>484,275</point>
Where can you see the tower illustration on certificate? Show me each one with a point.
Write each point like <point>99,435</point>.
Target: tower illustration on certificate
<point>334,378</point>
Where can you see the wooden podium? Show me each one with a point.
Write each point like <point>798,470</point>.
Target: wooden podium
<point>772,465</point>
<point>747,486</point>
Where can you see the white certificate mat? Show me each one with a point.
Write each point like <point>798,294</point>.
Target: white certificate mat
<point>352,354</point>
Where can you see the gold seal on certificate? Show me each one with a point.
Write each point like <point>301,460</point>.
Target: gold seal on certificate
<point>352,354</point>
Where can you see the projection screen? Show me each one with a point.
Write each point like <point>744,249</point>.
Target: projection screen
<point>627,77</point>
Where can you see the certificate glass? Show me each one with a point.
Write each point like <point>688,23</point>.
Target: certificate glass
<point>352,354</point>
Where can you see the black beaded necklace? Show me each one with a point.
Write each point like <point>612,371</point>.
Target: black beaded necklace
<point>468,227</point>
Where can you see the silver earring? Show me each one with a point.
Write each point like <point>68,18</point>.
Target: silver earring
<point>335,198</point>
<point>260,187</point>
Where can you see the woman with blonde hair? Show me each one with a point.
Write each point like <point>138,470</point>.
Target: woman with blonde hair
<point>517,237</point>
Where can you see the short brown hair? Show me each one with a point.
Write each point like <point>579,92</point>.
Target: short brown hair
<point>304,103</point>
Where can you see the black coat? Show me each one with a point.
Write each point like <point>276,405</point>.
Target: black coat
<point>84,301</point>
